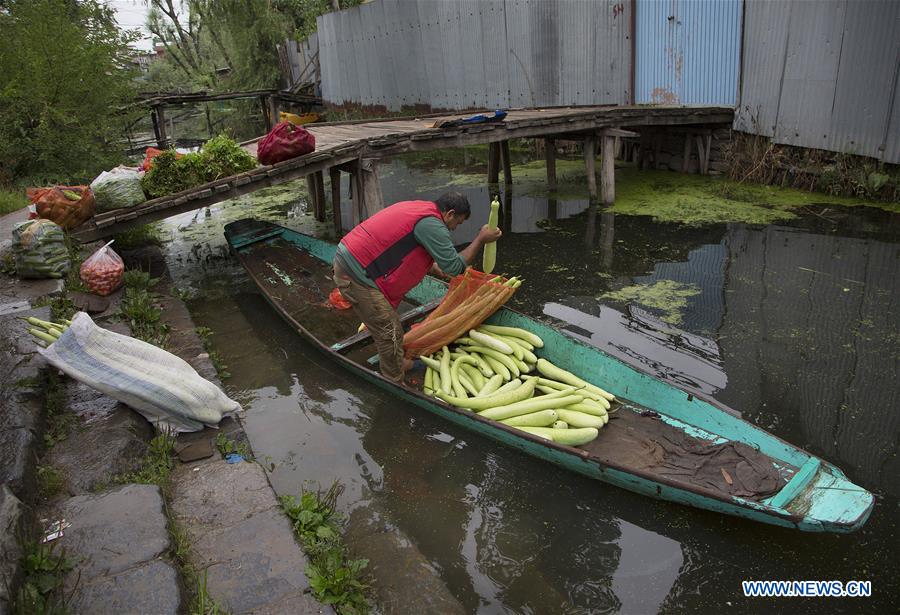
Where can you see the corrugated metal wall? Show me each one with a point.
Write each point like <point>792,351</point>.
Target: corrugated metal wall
<point>823,75</point>
<point>688,52</point>
<point>476,53</point>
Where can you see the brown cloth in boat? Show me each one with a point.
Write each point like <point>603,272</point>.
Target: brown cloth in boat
<point>732,467</point>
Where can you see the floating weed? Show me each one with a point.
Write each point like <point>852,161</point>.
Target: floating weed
<point>667,296</point>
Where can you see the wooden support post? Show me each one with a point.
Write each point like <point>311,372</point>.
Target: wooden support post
<point>608,170</point>
<point>273,109</point>
<point>590,150</point>
<point>264,107</point>
<point>159,116</point>
<point>507,165</point>
<point>373,201</point>
<point>493,163</point>
<point>686,163</point>
<point>335,176</point>
<point>209,126</point>
<point>703,145</point>
<point>320,195</point>
<point>312,192</point>
<point>358,197</point>
<point>550,160</point>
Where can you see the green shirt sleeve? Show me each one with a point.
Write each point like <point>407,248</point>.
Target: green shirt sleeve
<point>433,235</point>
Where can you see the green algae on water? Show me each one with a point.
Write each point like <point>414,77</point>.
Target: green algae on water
<point>666,296</point>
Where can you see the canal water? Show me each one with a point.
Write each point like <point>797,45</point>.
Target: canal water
<point>794,323</point>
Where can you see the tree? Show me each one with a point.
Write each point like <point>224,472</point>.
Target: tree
<point>64,72</point>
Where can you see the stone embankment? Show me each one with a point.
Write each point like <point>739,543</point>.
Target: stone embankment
<point>211,526</point>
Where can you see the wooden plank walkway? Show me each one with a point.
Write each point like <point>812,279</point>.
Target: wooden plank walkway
<point>343,143</point>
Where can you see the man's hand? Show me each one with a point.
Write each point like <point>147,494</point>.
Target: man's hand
<point>488,234</point>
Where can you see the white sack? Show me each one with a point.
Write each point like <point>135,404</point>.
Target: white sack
<point>166,390</point>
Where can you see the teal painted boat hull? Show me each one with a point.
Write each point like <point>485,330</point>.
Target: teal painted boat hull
<point>817,498</point>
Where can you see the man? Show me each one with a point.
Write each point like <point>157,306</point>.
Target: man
<point>384,257</point>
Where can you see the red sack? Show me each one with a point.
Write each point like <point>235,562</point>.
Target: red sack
<point>103,272</point>
<point>152,153</point>
<point>285,141</point>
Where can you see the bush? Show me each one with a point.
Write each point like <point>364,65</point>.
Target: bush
<point>62,76</point>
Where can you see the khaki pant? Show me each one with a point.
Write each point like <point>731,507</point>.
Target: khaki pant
<point>373,309</point>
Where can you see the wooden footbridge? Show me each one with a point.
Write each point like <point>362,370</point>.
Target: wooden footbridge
<point>355,147</point>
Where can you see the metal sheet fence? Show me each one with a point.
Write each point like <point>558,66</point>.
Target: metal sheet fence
<point>477,53</point>
<point>823,75</point>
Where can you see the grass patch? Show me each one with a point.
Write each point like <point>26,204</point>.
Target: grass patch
<point>41,592</point>
<point>205,334</point>
<point>334,578</point>
<point>50,482</point>
<point>200,603</point>
<point>12,200</point>
<point>140,308</point>
<point>227,446</point>
<point>59,420</point>
<point>156,466</point>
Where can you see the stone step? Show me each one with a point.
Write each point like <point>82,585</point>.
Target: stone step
<point>118,539</point>
<point>241,538</point>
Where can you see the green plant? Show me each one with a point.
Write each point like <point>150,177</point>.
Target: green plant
<point>203,603</point>
<point>50,481</point>
<point>61,307</point>
<point>334,578</point>
<point>172,173</point>
<point>59,420</point>
<point>156,466</point>
<point>222,157</point>
<point>41,590</point>
<point>139,307</point>
<point>228,446</point>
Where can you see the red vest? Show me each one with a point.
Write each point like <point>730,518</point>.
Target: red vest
<point>384,245</point>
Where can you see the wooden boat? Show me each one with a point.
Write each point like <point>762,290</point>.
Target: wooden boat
<point>293,272</point>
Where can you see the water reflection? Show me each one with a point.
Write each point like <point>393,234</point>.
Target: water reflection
<point>795,325</point>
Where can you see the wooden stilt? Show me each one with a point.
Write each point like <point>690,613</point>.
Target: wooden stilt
<point>320,196</point>
<point>273,109</point>
<point>264,107</point>
<point>550,160</point>
<point>358,197</point>
<point>686,163</point>
<point>372,198</point>
<point>312,192</point>
<point>159,118</point>
<point>608,170</point>
<point>590,150</point>
<point>507,165</point>
<point>334,175</point>
<point>494,163</point>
